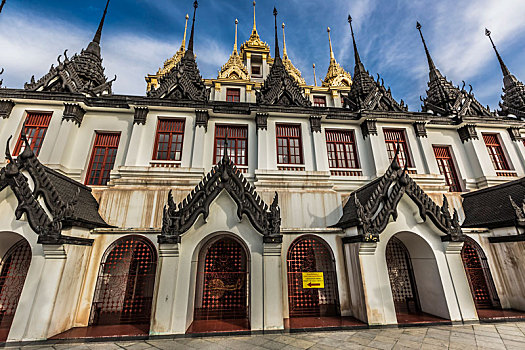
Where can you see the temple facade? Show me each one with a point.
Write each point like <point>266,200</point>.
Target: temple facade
<point>252,201</point>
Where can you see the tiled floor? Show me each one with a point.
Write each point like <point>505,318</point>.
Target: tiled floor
<point>509,335</point>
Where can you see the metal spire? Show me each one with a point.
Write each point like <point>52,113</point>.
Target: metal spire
<point>284,43</point>
<point>2,5</point>
<point>504,68</point>
<point>190,44</point>
<point>183,46</point>
<point>431,66</point>
<point>330,43</point>
<point>277,54</point>
<point>315,78</point>
<point>356,53</point>
<point>98,34</point>
<point>235,44</point>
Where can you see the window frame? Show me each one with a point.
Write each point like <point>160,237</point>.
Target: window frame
<point>353,144</point>
<point>299,138</point>
<point>319,97</point>
<point>216,138</point>
<point>259,66</point>
<point>404,144</point>
<point>154,157</point>
<point>100,179</point>
<point>455,169</point>
<point>26,126</point>
<point>504,156</point>
<point>238,94</point>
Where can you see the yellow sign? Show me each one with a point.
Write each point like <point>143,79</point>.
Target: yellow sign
<point>313,280</point>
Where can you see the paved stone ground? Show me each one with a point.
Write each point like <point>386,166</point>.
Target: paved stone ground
<point>464,337</point>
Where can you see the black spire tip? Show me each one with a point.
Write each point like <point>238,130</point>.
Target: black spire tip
<point>190,43</point>
<point>356,53</point>
<point>2,5</point>
<point>504,68</point>
<point>98,34</point>
<point>277,54</point>
<point>431,65</point>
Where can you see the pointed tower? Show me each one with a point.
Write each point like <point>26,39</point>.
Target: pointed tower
<point>234,69</point>
<point>79,74</point>
<point>336,75</point>
<point>294,72</point>
<point>513,98</point>
<point>153,79</point>
<point>279,87</point>
<point>256,54</point>
<point>445,99</point>
<point>367,93</point>
<point>183,82</point>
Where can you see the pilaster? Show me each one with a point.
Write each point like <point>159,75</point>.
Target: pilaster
<point>273,296</point>
<point>201,126</point>
<point>319,144</point>
<point>261,121</point>
<point>65,134</point>
<point>135,142</point>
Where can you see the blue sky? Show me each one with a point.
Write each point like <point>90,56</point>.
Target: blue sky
<point>140,34</point>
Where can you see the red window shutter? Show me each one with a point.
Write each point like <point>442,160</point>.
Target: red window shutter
<point>497,156</point>
<point>392,137</point>
<point>169,140</point>
<point>289,144</point>
<point>35,128</point>
<point>102,158</point>
<point>237,143</point>
<point>319,101</point>
<point>233,95</point>
<point>342,149</point>
<point>447,167</point>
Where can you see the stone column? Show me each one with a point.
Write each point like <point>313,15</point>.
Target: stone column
<point>476,152</point>
<point>319,144</point>
<point>249,63</point>
<point>376,148</point>
<point>71,120</point>
<point>135,143</point>
<point>201,126</point>
<point>45,298</point>
<point>163,308</point>
<point>261,121</point>
<point>273,296</point>
<point>467,308</point>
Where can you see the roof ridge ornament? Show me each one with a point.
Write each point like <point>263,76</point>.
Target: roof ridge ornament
<point>292,70</point>
<point>234,68</point>
<point>336,75</point>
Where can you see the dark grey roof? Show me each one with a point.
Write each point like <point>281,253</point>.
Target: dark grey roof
<point>85,212</point>
<point>491,207</point>
<point>350,218</point>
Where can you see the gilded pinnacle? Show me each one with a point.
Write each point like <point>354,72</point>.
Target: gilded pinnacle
<point>330,43</point>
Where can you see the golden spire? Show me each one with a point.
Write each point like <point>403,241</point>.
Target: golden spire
<point>254,43</point>
<point>153,79</point>
<point>315,78</point>
<point>254,30</point>
<point>234,69</point>
<point>336,75</point>
<point>294,72</point>
<point>284,44</point>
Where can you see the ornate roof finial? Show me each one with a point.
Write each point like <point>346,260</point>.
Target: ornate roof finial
<point>315,78</point>
<point>98,34</point>
<point>235,44</point>
<point>330,43</point>
<point>284,43</point>
<point>190,44</point>
<point>2,5</point>
<point>277,54</point>
<point>504,68</point>
<point>356,53</point>
<point>254,30</point>
<point>183,45</point>
<point>431,65</point>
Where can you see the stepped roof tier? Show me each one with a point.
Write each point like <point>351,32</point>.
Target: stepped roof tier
<point>234,69</point>
<point>336,75</point>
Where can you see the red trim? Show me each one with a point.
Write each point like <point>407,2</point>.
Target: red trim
<point>391,138</point>
<point>103,155</point>
<point>319,101</point>
<point>290,137</point>
<point>35,128</point>
<point>233,95</point>
<point>237,137</point>
<point>168,129</point>
<point>447,167</point>
<point>341,149</point>
<point>495,150</point>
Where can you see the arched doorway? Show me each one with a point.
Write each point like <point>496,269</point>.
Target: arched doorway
<point>401,275</point>
<point>479,277</point>
<point>125,283</point>
<point>13,273</point>
<point>222,284</point>
<point>306,255</point>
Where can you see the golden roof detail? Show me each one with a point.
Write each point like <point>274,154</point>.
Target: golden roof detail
<point>294,72</point>
<point>153,79</point>
<point>254,42</point>
<point>234,68</point>
<point>336,75</point>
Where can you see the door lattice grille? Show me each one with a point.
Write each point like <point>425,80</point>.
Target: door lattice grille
<point>125,283</point>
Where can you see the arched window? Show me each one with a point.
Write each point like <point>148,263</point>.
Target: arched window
<point>125,283</point>
<point>311,254</point>
<point>15,265</point>
<point>479,276</point>
<point>401,275</point>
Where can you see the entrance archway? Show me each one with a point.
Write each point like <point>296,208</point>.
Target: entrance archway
<point>13,273</point>
<point>311,254</point>
<point>401,275</point>
<point>125,283</point>
<point>222,284</point>
<point>479,277</point>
